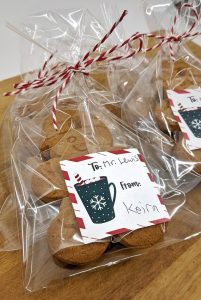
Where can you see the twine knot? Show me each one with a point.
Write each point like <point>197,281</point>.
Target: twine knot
<point>62,72</point>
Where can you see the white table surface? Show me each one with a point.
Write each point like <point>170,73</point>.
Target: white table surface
<point>10,56</point>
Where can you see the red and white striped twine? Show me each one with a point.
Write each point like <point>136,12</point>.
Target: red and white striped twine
<point>62,73</point>
<point>172,37</point>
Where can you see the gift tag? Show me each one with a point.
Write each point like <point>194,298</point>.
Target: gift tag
<point>111,193</point>
<point>186,106</point>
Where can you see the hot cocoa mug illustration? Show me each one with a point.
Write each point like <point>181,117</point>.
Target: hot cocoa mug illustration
<point>193,120</point>
<point>97,199</point>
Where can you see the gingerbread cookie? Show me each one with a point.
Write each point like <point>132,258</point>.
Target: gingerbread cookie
<point>52,135</point>
<point>47,181</point>
<point>115,109</point>
<point>67,116</point>
<point>6,181</point>
<point>50,142</point>
<point>73,143</point>
<point>191,157</point>
<point>165,118</point>
<point>64,239</point>
<point>71,124</point>
<point>99,73</point>
<point>100,78</point>
<point>64,119</point>
<point>122,81</point>
<point>142,238</point>
<point>63,124</point>
<point>3,194</point>
<point>29,109</point>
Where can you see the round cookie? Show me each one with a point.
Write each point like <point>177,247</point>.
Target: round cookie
<point>66,213</point>
<point>47,182</point>
<point>165,117</point>
<point>191,157</point>
<point>64,239</point>
<point>73,143</point>
<point>102,134</point>
<point>142,238</point>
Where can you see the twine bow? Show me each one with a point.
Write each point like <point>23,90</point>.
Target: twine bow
<point>177,38</point>
<point>62,72</point>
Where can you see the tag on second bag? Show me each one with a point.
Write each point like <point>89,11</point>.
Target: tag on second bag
<point>111,193</point>
<point>186,106</point>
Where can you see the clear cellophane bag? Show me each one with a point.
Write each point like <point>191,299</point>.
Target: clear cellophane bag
<point>91,118</point>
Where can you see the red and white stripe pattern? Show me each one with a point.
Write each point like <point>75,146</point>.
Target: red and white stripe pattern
<point>79,179</point>
<point>61,73</point>
<point>73,198</point>
<point>87,181</point>
<point>185,34</point>
<point>114,26</point>
<point>173,37</point>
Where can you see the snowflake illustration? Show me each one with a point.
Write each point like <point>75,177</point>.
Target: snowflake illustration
<point>196,123</point>
<point>98,202</point>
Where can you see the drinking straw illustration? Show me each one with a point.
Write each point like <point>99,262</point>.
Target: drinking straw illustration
<point>79,179</point>
<point>87,181</point>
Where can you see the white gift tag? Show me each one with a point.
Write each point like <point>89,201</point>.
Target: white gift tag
<point>111,193</point>
<point>186,106</point>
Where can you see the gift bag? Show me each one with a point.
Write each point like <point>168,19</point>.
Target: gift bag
<point>58,241</point>
<point>82,30</point>
<point>165,100</point>
<point>9,239</point>
<point>91,189</point>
